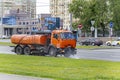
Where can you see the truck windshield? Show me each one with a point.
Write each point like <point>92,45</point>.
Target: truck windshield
<point>67,35</point>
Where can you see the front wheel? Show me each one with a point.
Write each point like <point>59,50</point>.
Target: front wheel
<point>53,51</point>
<point>69,52</point>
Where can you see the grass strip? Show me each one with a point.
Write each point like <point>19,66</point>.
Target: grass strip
<point>95,47</point>
<point>59,68</point>
<point>6,44</point>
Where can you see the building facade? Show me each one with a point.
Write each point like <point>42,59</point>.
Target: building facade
<point>28,6</point>
<point>21,10</point>
<point>59,8</point>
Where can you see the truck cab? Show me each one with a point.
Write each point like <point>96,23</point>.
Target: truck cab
<point>62,41</point>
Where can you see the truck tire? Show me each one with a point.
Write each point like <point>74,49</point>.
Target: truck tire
<point>69,52</point>
<point>52,51</point>
<point>26,50</point>
<point>18,50</point>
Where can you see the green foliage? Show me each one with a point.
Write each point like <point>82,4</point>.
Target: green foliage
<point>60,68</point>
<point>75,25</point>
<point>102,11</point>
<point>78,8</point>
<point>115,9</point>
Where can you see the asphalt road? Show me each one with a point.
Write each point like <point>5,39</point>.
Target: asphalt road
<point>6,50</point>
<point>96,54</point>
<point>100,54</point>
<point>4,40</point>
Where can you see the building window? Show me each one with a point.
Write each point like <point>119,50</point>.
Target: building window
<point>23,23</point>
<point>32,22</point>
<point>19,23</point>
<point>27,23</point>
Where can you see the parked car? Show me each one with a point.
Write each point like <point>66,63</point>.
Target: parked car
<point>113,42</point>
<point>91,41</point>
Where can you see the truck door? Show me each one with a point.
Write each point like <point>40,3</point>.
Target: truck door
<point>55,39</point>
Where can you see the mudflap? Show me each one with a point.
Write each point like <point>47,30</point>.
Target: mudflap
<point>69,52</point>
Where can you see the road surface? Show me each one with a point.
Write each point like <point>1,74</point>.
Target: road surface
<point>100,54</point>
<point>6,50</point>
<point>4,40</point>
<point>96,54</point>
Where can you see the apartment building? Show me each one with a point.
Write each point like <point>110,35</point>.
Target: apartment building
<point>27,7</point>
<point>59,8</point>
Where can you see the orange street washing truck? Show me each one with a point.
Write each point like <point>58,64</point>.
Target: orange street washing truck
<point>45,42</point>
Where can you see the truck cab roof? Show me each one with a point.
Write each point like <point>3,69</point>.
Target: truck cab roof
<point>42,32</point>
<point>59,31</point>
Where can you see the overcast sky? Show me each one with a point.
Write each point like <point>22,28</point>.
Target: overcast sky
<point>42,6</point>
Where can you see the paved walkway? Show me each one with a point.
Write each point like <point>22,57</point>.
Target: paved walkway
<point>4,76</point>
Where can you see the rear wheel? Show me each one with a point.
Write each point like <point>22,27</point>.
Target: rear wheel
<point>26,50</point>
<point>53,51</point>
<point>19,50</point>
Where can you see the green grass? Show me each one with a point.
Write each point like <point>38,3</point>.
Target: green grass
<point>6,44</point>
<point>59,68</point>
<point>94,47</point>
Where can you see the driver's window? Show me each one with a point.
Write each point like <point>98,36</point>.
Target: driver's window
<point>55,36</point>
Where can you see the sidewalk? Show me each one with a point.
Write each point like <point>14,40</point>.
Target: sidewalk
<point>4,76</point>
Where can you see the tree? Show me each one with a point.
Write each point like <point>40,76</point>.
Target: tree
<point>115,10</point>
<point>87,10</point>
<point>79,9</point>
<point>102,15</point>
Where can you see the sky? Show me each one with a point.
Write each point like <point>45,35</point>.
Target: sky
<point>42,6</point>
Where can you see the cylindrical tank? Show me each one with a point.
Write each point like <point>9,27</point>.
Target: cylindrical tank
<point>29,39</point>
